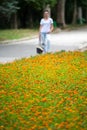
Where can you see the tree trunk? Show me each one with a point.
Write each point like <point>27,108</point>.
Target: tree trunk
<point>31,21</point>
<point>86,15</point>
<point>49,9</point>
<point>61,12</point>
<point>14,21</point>
<point>80,15</point>
<point>75,13</point>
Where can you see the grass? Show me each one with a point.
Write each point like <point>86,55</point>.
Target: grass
<point>75,26</point>
<point>17,34</point>
<point>46,92</point>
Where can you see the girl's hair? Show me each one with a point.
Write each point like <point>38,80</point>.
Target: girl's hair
<point>46,11</point>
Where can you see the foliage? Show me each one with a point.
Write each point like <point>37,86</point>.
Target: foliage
<point>9,7</point>
<point>25,13</point>
<point>40,4</point>
<point>82,3</point>
<point>47,92</point>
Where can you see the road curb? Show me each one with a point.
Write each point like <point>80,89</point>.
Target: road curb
<point>17,40</point>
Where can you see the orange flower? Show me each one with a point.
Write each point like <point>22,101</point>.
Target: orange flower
<point>44,99</point>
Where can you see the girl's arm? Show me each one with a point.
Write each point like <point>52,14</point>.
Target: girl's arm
<point>51,28</point>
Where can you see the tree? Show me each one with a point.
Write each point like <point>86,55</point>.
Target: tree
<point>61,12</point>
<point>74,12</point>
<point>83,4</point>
<point>77,13</point>
<point>9,10</point>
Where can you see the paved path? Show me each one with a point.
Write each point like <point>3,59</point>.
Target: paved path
<point>67,40</point>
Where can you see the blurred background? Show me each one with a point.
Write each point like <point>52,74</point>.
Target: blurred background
<point>16,14</point>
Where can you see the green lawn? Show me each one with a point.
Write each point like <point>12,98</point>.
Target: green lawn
<point>17,34</point>
<point>46,92</point>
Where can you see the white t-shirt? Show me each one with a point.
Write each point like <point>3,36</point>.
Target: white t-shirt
<point>46,24</point>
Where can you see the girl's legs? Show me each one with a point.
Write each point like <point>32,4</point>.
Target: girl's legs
<point>45,42</point>
<point>47,45</point>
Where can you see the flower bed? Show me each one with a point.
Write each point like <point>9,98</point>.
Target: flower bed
<point>46,92</point>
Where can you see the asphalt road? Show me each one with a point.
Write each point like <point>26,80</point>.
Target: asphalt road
<point>67,40</point>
